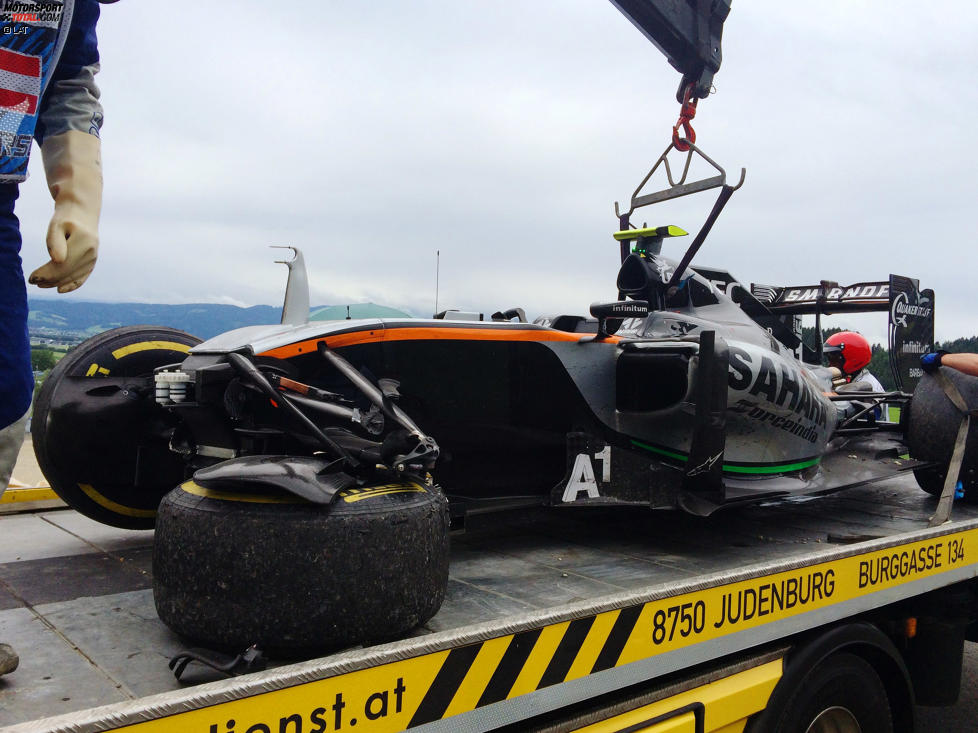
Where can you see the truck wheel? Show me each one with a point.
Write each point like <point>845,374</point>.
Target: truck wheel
<point>101,440</point>
<point>932,429</point>
<point>233,568</point>
<point>842,694</point>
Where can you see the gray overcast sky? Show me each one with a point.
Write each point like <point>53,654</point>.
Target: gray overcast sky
<point>501,132</point>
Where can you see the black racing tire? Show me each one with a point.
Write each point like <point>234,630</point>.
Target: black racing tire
<point>101,440</point>
<point>930,480</point>
<point>233,568</point>
<point>841,694</point>
<point>932,428</point>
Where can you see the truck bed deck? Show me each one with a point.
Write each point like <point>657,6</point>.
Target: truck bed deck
<point>76,596</point>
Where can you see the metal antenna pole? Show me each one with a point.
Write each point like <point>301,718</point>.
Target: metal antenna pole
<point>437,272</point>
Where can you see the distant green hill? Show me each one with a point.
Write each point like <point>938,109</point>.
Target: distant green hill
<point>356,310</point>
<point>70,321</point>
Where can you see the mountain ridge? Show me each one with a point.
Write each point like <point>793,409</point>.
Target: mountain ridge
<point>73,320</point>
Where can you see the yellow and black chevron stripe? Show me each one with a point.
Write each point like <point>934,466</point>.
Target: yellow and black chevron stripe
<point>499,669</point>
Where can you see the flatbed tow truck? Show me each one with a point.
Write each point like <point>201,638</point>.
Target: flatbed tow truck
<point>554,620</point>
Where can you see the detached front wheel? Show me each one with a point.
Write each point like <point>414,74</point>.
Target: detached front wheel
<point>101,440</point>
<point>243,566</point>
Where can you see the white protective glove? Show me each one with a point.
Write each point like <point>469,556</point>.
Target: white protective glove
<point>73,166</point>
<point>838,378</point>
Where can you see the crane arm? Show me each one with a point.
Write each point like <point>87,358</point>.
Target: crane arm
<point>688,32</point>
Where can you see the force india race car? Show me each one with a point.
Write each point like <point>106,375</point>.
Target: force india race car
<point>340,451</point>
<point>696,404</point>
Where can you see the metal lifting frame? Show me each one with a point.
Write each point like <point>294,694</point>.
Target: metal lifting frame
<point>676,189</point>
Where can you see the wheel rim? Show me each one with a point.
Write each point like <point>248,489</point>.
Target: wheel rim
<point>835,720</point>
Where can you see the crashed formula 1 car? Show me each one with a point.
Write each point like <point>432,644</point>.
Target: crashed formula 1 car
<point>331,456</point>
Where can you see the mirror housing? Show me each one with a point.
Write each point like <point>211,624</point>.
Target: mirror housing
<point>612,314</point>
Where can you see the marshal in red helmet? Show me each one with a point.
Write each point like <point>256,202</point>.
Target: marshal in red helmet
<point>848,351</point>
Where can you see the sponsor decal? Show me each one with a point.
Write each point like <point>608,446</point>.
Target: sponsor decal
<point>789,425</point>
<point>632,326</point>
<point>911,329</point>
<point>902,309</point>
<point>777,383</point>
<point>915,347</point>
<point>11,144</point>
<point>705,466</point>
<point>629,309</point>
<point>722,280</point>
<point>664,268</point>
<point>722,285</point>
<point>678,327</point>
<point>810,294</point>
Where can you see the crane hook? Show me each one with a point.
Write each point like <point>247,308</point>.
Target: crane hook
<point>686,113</point>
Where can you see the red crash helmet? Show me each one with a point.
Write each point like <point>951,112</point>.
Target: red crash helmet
<point>847,350</point>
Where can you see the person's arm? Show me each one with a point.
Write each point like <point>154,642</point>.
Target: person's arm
<point>68,131</point>
<point>966,363</point>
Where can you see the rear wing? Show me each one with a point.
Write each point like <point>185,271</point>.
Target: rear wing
<point>910,309</point>
<point>825,298</point>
